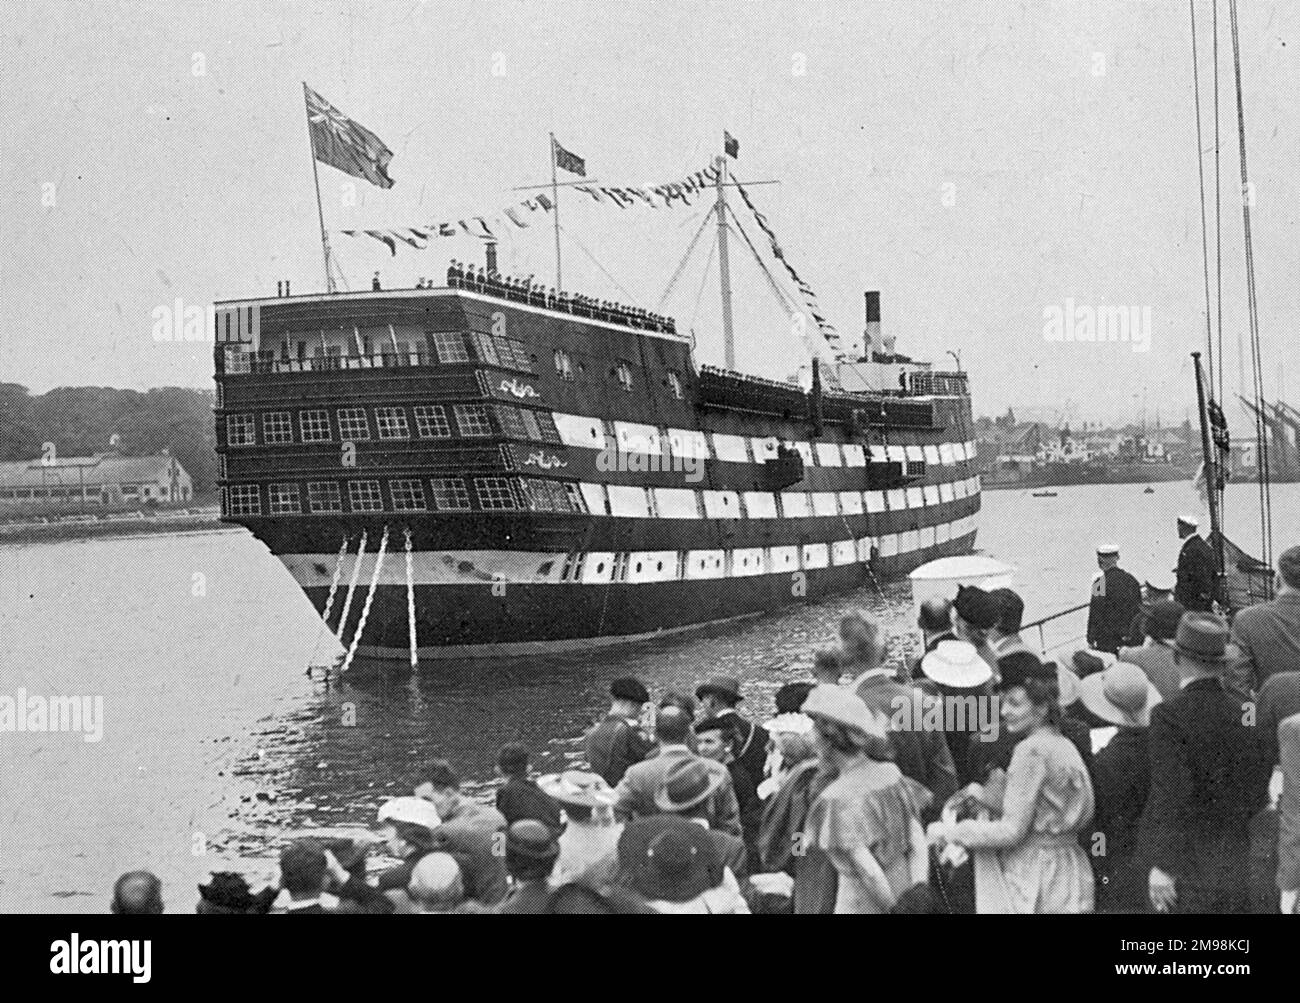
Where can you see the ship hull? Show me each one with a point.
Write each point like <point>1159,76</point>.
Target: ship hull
<point>476,620</point>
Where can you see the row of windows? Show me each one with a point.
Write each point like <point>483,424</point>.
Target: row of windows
<point>451,494</point>
<point>593,568</point>
<point>440,494</point>
<point>631,501</point>
<point>431,421</point>
<point>598,433</point>
<point>447,347</point>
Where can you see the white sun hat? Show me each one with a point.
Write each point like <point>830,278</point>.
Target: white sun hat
<point>956,664</point>
<point>412,810</point>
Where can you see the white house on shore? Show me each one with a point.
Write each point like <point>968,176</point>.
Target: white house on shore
<point>103,479</point>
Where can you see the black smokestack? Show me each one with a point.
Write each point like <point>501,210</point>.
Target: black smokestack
<point>871,342</point>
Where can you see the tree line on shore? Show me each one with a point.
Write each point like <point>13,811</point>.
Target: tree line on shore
<point>81,421</point>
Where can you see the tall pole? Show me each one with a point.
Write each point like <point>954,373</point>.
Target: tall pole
<point>555,209</point>
<point>1211,481</point>
<point>724,266</point>
<point>320,213</point>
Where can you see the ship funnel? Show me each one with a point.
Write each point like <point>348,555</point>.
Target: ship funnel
<point>871,332</point>
<point>492,257</point>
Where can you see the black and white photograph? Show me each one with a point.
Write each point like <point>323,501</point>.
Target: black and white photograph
<point>722,457</point>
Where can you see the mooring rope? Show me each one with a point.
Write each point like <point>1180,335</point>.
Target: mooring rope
<point>370,597</point>
<point>329,602</point>
<point>352,588</point>
<point>410,598</point>
<point>334,583</point>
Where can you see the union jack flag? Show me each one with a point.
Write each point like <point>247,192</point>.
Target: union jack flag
<point>340,142</point>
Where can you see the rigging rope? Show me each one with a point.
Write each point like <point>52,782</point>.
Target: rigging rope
<point>1252,307</point>
<point>708,262</point>
<point>633,300</point>
<point>352,588</point>
<point>370,597</point>
<point>410,600</point>
<point>681,265</point>
<point>1205,238</point>
<point>786,300</point>
<point>329,602</point>
<point>1218,203</point>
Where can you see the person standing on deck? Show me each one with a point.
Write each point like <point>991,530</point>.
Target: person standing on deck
<point>1116,602</point>
<point>1195,586</point>
<point>616,742</point>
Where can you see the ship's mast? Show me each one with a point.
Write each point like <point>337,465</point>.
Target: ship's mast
<point>724,265</point>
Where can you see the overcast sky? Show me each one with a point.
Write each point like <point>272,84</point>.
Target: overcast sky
<point>1066,132</point>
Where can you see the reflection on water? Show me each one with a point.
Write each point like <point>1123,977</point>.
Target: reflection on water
<point>217,744</point>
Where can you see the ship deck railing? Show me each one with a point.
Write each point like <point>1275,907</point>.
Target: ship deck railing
<point>245,363</point>
<point>1058,644</point>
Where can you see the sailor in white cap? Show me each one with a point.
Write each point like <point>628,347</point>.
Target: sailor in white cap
<point>1116,601</point>
<point>1195,584</point>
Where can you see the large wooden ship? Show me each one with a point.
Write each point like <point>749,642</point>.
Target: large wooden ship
<point>566,473</point>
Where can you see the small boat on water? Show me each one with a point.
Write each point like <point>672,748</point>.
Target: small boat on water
<point>1148,490</point>
<point>1044,494</point>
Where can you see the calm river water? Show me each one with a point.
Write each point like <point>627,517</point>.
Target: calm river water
<point>216,743</point>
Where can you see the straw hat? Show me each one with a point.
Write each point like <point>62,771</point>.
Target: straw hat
<point>789,724</point>
<point>1122,695</point>
<point>842,706</point>
<point>578,787</point>
<point>411,810</point>
<point>956,664</point>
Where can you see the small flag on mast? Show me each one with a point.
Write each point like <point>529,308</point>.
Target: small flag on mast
<point>347,145</point>
<point>570,162</point>
<point>731,145</point>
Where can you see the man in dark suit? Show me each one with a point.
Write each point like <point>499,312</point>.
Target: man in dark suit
<point>718,699</point>
<point>1268,634</point>
<point>637,791</point>
<point>1116,600</point>
<point>1195,584</point>
<point>1209,777</point>
<point>616,742</point>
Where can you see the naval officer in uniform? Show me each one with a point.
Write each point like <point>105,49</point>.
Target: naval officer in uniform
<point>1195,585</point>
<point>1116,600</point>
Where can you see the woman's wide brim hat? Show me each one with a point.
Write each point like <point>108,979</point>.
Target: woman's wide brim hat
<point>840,705</point>
<point>956,664</point>
<point>1122,695</point>
<point>669,858</point>
<point>578,787</point>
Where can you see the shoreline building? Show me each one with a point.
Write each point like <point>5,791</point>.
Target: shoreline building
<point>105,479</point>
